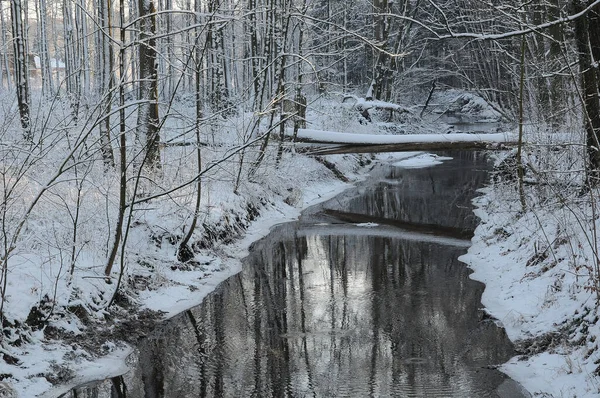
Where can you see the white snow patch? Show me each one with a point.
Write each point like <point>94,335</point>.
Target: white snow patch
<point>378,139</point>
<point>420,161</point>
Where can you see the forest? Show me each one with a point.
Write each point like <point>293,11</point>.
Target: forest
<point>135,129</point>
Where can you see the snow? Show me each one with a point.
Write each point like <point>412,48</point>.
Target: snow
<point>539,285</point>
<point>463,107</point>
<point>54,63</point>
<point>367,225</point>
<point>560,375</point>
<point>365,104</point>
<point>379,139</point>
<point>111,365</point>
<point>420,161</point>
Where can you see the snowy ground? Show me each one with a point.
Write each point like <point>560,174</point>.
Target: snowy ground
<point>537,278</point>
<point>541,274</point>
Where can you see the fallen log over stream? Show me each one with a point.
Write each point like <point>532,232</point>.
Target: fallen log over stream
<point>365,143</point>
<point>408,147</point>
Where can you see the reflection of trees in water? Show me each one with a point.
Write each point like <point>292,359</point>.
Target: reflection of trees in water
<point>435,195</point>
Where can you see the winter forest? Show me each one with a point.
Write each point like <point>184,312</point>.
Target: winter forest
<point>137,132</point>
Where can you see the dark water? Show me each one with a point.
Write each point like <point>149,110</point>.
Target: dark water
<point>329,307</point>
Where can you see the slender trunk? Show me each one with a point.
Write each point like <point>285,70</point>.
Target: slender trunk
<point>122,147</point>
<point>254,53</point>
<point>428,98</point>
<point>557,83</point>
<point>590,91</point>
<point>21,65</point>
<point>281,84</point>
<point>83,54</point>
<point>148,120</point>
<point>5,63</point>
<point>594,35</point>
<point>266,84</point>
<point>105,80</point>
<point>46,72</point>
<point>184,252</point>
<point>382,31</point>
<point>520,171</point>
<point>72,60</point>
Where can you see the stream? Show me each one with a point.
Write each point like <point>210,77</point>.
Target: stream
<point>362,297</point>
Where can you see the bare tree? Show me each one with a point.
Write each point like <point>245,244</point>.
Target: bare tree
<point>148,117</point>
<point>588,47</point>
<point>21,65</point>
<point>105,77</point>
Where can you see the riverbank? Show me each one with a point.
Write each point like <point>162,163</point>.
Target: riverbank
<point>541,282</point>
<point>97,350</point>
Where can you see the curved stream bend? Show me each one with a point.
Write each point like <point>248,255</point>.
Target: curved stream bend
<point>335,306</point>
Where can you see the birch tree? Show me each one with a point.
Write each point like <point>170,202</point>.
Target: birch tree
<point>5,80</point>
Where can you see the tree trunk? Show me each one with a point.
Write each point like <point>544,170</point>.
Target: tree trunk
<point>44,56</point>
<point>5,63</point>
<point>184,252</point>
<point>105,79</point>
<point>72,60</point>
<point>382,30</point>
<point>122,147</point>
<point>594,35</point>
<point>21,65</point>
<point>557,83</point>
<point>148,121</point>
<point>589,86</point>
<point>593,82</point>
<point>83,53</point>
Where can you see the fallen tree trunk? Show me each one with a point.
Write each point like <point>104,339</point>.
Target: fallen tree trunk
<point>408,147</point>
<point>365,143</point>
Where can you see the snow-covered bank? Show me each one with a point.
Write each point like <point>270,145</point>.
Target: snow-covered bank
<point>541,281</point>
<point>65,320</point>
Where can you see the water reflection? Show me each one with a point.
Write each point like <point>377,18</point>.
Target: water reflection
<point>437,196</point>
<point>317,312</point>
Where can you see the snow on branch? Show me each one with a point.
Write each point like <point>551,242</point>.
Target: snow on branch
<point>520,32</point>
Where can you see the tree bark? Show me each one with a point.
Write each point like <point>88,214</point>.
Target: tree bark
<point>148,119</point>
<point>21,65</point>
<point>105,82</point>
<point>382,31</point>
<point>46,72</point>
<point>5,66</point>
<point>122,148</point>
<point>589,83</point>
